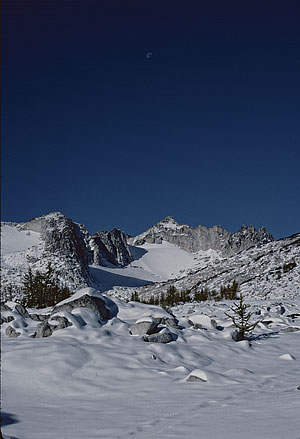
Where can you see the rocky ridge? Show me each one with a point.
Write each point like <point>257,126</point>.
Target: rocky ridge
<point>193,239</point>
<point>250,257</point>
<point>68,247</point>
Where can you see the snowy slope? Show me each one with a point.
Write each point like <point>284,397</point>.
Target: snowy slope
<point>260,272</point>
<point>14,240</point>
<point>97,381</point>
<point>52,239</point>
<point>152,263</point>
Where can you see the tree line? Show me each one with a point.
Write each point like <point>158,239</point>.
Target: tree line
<point>173,296</point>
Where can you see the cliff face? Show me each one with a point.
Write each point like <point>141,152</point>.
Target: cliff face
<point>62,236</point>
<point>111,247</point>
<point>67,246</point>
<point>198,238</point>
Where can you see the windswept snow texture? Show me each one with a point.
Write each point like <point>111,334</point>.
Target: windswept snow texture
<point>96,381</point>
<point>152,263</point>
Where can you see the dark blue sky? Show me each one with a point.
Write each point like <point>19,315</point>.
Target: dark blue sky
<point>206,130</point>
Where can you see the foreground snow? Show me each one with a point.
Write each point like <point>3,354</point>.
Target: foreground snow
<point>95,381</point>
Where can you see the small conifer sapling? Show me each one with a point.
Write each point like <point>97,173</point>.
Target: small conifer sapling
<point>241,319</point>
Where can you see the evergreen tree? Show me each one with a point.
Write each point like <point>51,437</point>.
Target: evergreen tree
<point>241,317</point>
<point>43,289</point>
<point>135,297</point>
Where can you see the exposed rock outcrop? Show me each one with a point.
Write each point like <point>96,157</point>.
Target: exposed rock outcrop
<point>257,271</point>
<point>69,248</point>
<point>61,235</point>
<point>198,238</point>
<point>111,247</point>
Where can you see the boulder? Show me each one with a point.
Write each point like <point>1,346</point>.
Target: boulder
<point>164,336</point>
<point>198,326</point>
<point>171,322</point>
<point>43,330</point>
<point>63,322</point>
<point>5,307</point>
<point>202,321</point>
<point>86,301</point>
<point>193,378</point>
<point>11,332</point>
<point>39,317</point>
<point>237,336</point>
<point>267,322</point>
<point>294,316</point>
<point>142,328</point>
<point>290,329</point>
<point>6,319</point>
<point>22,311</point>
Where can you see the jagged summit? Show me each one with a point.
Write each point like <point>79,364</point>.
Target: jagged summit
<point>106,259</point>
<point>200,237</point>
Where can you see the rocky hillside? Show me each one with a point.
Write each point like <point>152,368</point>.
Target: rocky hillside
<point>66,245</point>
<point>166,254</point>
<point>198,238</point>
<point>266,270</point>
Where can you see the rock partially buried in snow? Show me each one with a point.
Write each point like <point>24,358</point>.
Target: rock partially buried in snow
<point>141,328</point>
<point>5,307</point>
<point>197,375</point>
<point>8,437</point>
<point>11,332</point>
<point>39,317</point>
<point>291,329</point>
<point>59,322</point>
<point>171,322</point>
<point>237,336</point>
<point>287,357</point>
<point>6,319</point>
<point>97,304</point>
<point>164,336</point>
<point>22,311</point>
<point>43,330</point>
<point>202,321</point>
<point>193,378</point>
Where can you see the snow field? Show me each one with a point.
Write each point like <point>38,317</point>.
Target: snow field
<point>96,381</point>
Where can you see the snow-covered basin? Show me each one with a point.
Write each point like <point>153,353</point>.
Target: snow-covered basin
<point>100,382</point>
<point>152,263</point>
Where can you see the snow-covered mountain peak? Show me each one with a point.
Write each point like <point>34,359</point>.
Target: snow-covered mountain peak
<point>201,238</point>
<point>167,251</point>
<point>168,222</point>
